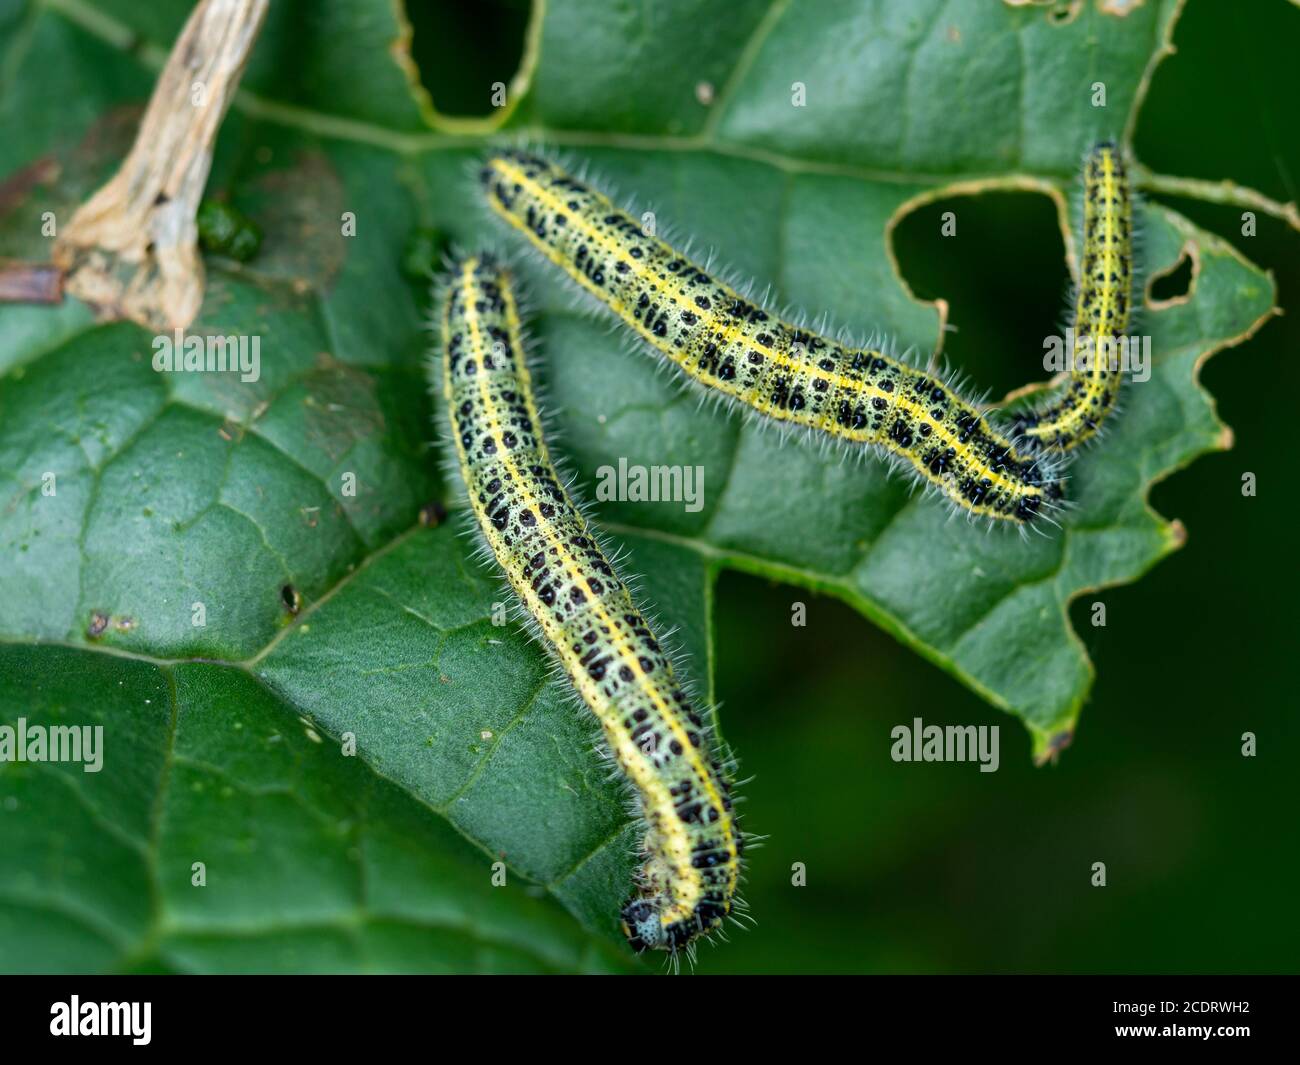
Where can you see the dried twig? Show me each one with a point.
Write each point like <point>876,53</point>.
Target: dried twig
<point>131,248</point>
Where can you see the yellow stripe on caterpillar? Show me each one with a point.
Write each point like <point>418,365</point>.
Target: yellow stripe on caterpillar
<point>741,350</point>
<point>1102,308</point>
<point>586,616</point>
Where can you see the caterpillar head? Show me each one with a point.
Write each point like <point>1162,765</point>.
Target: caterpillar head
<point>645,926</point>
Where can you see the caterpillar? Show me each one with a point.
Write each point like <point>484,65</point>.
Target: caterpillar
<point>742,350</point>
<point>1102,308</point>
<point>586,616</point>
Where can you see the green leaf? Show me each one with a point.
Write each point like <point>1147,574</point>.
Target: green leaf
<point>311,861</point>
<point>224,741</point>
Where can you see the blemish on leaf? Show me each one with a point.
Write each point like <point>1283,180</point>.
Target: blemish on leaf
<point>341,407</point>
<point>98,624</point>
<point>432,514</point>
<point>15,188</point>
<point>296,204</point>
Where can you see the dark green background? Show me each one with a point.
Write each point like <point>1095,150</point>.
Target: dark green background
<point>941,868</point>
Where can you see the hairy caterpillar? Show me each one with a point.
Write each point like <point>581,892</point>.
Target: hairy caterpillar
<point>743,351</point>
<point>586,616</point>
<point>1102,307</point>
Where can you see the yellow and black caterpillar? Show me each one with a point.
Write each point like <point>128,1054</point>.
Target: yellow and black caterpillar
<point>586,616</point>
<point>742,351</point>
<point>739,349</point>
<point>1102,308</point>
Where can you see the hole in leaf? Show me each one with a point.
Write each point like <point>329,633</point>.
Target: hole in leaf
<point>1001,267</point>
<point>1174,284</point>
<point>463,50</point>
<point>1063,13</point>
<point>291,599</point>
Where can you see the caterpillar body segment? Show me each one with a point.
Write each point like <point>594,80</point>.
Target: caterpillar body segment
<point>1102,313</point>
<point>744,351</point>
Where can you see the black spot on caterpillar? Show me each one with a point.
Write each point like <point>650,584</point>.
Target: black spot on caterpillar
<point>586,616</point>
<point>1102,308</point>
<point>742,350</point>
